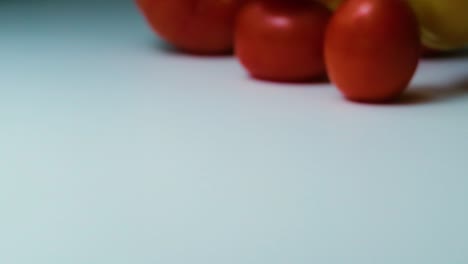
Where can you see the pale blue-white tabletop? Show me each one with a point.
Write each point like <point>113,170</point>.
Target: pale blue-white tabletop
<point>116,150</point>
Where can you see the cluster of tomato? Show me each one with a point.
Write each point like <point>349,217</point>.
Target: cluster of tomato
<point>368,48</point>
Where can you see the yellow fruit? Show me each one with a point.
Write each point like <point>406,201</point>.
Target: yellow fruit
<point>332,4</point>
<point>444,23</point>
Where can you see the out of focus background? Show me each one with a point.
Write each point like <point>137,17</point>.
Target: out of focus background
<point>115,149</point>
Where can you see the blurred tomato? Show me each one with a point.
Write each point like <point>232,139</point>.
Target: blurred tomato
<point>372,49</point>
<point>282,40</point>
<point>198,26</point>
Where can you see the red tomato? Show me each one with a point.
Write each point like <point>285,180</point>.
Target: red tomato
<point>282,40</point>
<point>372,49</point>
<point>196,26</point>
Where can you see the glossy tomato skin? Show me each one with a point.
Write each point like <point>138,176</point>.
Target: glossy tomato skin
<point>372,49</point>
<point>281,40</point>
<point>195,26</point>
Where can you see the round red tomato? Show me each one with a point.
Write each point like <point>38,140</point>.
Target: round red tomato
<point>196,26</point>
<point>372,49</point>
<point>282,40</point>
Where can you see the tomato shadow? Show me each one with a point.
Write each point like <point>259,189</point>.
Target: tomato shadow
<point>427,94</point>
<point>310,82</point>
<point>166,48</point>
<point>417,95</point>
<point>437,56</point>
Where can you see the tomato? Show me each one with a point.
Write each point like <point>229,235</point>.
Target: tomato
<point>282,40</point>
<point>372,49</point>
<point>196,26</point>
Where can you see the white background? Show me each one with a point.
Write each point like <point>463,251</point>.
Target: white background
<point>113,149</point>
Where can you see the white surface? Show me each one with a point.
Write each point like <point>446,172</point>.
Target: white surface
<point>116,151</point>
